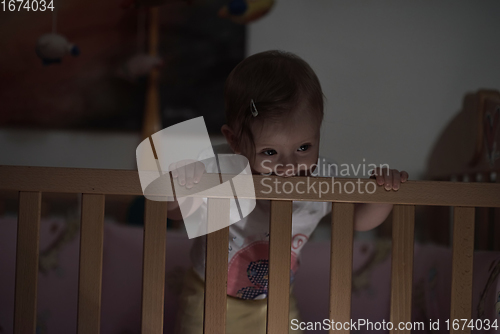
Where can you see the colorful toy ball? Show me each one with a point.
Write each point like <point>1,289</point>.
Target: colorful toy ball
<point>52,47</point>
<point>245,11</point>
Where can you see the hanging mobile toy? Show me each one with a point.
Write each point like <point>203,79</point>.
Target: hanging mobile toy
<point>141,63</point>
<point>245,11</point>
<point>52,47</point>
<point>138,66</point>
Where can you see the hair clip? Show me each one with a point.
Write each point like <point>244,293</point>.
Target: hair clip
<point>253,108</point>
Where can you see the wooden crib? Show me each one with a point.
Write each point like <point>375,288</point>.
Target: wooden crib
<point>95,184</point>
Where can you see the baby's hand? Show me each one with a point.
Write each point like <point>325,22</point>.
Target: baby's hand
<point>187,172</point>
<point>391,178</point>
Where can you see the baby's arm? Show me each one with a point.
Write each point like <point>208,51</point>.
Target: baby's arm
<point>187,172</point>
<point>370,215</point>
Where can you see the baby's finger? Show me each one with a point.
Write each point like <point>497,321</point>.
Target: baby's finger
<point>388,179</point>
<point>199,170</point>
<point>404,176</point>
<point>396,180</point>
<point>190,174</point>
<point>378,174</point>
<point>172,168</point>
<point>182,175</point>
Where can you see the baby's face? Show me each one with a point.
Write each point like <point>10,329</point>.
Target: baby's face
<point>288,148</point>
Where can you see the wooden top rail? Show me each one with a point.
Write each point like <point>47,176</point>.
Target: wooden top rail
<point>126,182</point>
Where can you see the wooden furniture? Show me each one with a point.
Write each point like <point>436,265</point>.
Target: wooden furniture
<point>95,185</point>
<point>152,116</point>
<point>468,150</point>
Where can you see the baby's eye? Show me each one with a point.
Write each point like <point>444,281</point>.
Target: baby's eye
<point>304,147</point>
<point>269,152</point>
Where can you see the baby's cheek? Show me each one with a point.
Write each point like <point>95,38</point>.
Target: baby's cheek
<point>263,166</point>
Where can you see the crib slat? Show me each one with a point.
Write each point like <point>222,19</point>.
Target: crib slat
<point>89,284</point>
<point>463,252</point>
<point>153,266</point>
<point>216,267</point>
<point>280,236</point>
<point>341,263</point>
<point>403,228</point>
<point>28,229</point>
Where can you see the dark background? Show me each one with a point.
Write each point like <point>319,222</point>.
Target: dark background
<point>199,50</point>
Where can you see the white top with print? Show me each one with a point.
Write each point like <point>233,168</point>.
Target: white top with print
<point>248,247</point>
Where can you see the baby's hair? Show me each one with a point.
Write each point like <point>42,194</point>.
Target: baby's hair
<point>277,81</point>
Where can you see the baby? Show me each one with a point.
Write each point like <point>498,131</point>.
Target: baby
<point>274,111</point>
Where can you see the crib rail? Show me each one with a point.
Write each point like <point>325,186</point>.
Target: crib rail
<point>125,182</point>
<point>94,184</point>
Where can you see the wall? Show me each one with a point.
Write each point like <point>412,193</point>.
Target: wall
<point>77,149</point>
<point>394,73</point>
